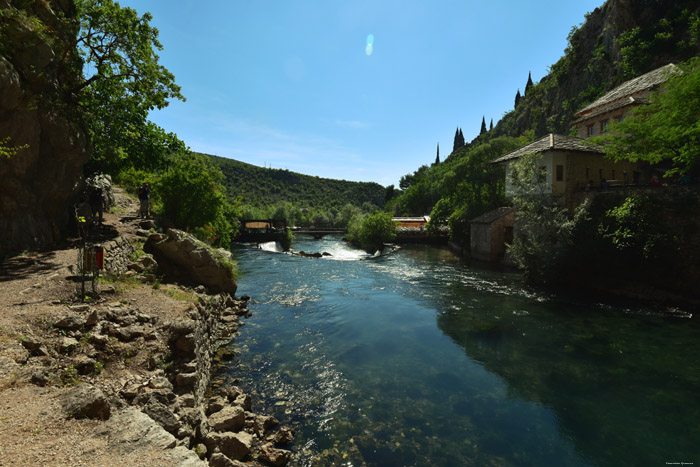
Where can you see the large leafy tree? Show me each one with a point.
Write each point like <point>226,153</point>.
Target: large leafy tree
<point>668,128</point>
<point>123,82</point>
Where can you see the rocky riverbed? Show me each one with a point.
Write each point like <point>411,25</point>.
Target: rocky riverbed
<point>124,376</point>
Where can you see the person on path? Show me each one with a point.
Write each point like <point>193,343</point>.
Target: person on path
<point>145,198</point>
<point>98,203</point>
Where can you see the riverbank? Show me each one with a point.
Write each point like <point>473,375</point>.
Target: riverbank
<point>124,378</point>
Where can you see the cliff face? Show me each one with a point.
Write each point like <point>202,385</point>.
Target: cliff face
<point>618,41</point>
<point>39,182</point>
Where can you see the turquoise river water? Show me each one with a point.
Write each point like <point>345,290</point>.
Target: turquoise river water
<point>414,358</point>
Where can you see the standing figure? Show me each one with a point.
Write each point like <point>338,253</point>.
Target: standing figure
<point>145,198</point>
<point>98,203</point>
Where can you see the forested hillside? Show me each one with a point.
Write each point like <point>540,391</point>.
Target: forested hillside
<point>618,41</point>
<point>261,187</point>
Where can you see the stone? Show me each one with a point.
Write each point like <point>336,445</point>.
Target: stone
<point>67,344</point>
<point>186,379</point>
<point>160,382</point>
<point>186,400</point>
<point>244,401</point>
<point>233,445</point>
<point>186,344</point>
<point>219,460</point>
<point>284,435</point>
<point>161,414</point>
<point>274,456</point>
<point>182,257</point>
<point>71,322</point>
<point>147,224</point>
<point>40,378</point>
<point>143,233</point>
<point>98,339</point>
<point>215,404</point>
<point>92,318</point>
<point>85,401</point>
<point>227,419</point>
<point>33,344</point>
<point>84,365</point>
<point>128,333</point>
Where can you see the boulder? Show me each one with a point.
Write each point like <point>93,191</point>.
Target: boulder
<point>162,415</point>
<point>70,322</point>
<point>85,401</point>
<point>227,419</point>
<point>219,460</point>
<point>233,445</point>
<point>284,435</point>
<point>183,258</point>
<point>274,456</point>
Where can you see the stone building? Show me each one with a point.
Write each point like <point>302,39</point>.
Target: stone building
<point>490,233</point>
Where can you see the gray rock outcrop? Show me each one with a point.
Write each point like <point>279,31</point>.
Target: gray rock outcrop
<point>39,181</point>
<point>183,258</point>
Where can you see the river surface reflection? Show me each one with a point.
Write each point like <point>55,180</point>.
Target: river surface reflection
<point>414,358</point>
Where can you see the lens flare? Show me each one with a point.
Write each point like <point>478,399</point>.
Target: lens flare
<point>370,44</point>
<point>368,49</point>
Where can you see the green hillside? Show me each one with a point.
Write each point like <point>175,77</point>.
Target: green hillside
<point>262,187</point>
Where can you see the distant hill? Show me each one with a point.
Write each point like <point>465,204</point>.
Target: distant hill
<point>262,187</point>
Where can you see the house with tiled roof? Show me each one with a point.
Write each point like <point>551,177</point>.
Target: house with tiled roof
<point>569,164</point>
<point>594,119</point>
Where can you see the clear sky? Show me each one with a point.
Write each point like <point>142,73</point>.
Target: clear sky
<point>352,89</point>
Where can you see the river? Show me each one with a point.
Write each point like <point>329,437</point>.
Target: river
<point>414,358</point>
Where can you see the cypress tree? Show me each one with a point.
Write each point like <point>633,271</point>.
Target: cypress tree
<point>437,158</point>
<point>456,145</point>
<point>517,98</point>
<point>483,125</point>
<point>461,139</point>
<point>529,82</point>
<point>491,125</point>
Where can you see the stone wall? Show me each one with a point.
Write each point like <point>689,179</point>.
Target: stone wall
<point>117,255</point>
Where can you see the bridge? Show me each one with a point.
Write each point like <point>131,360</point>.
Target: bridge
<point>318,233</point>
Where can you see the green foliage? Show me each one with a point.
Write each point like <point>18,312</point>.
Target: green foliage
<point>635,229</point>
<point>372,231</point>
<point>261,187</point>
<point>666,129</point>
<point>287,239</point>
<point>7,150</point>
<point>191,195</point>
<point>123,83</point>
<point>545,228</point>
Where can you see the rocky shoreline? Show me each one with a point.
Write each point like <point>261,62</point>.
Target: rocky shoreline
<point>131,368</point>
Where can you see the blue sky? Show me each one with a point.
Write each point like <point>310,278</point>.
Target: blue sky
<point>292,84</point>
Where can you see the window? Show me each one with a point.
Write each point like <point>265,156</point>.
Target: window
<point>588,173</point>
<point>612,174</point>
<point>619,118</point>
<point>600,174</point>
<point>604,126</point>
<point>560,173</point>
<point>591,130</point>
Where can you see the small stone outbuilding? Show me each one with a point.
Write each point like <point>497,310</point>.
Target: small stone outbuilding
<point>490,233</point>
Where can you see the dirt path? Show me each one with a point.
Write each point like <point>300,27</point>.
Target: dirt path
<point>36,289</point>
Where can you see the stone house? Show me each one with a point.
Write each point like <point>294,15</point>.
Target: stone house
<point>594,119</point>
<point>490,233</point>
<point>570,165</point>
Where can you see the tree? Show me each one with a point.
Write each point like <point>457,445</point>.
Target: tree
<point>456,144</point>
<point>667,128</point>
<point>491,125</point>
<point>483,125</point>
<point>529,82</point>
<point>437,158</point>
<point>372,231</point>
<point>123,81</point>
<point>544,227</point>
<point>461,138</point>
<point>517,99</point>
<point>191,196</point>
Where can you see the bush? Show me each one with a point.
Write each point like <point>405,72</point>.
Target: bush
<point>371,232</point>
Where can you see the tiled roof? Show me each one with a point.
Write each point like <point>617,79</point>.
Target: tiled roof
<point>640,83</point>
<point>492,215</point>
<point>551,142</point>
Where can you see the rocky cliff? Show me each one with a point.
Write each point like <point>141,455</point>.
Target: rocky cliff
<point>39,182</point>
<point>618,41</point>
